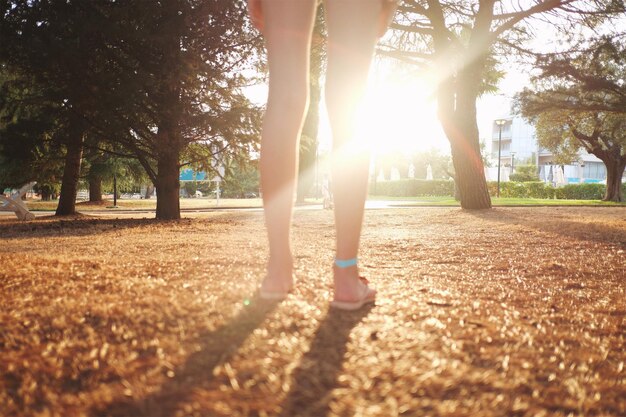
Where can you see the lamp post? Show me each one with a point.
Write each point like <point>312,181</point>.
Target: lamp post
<point>512,162</point>
<point>114,190</point>
<point>500,123</point>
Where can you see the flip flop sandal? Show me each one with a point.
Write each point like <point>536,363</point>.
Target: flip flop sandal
<point>368,297</point>
<point>274,295</point>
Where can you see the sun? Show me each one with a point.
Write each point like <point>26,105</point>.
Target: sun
<point>399,116</point>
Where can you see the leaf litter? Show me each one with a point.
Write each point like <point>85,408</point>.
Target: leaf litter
<point>507,312</point>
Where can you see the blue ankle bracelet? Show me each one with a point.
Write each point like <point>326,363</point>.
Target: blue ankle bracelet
<point>345,263</point>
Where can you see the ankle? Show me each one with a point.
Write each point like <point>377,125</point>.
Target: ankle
<point>346,263</point>
<point>345,273</point>
<point>281,260</point>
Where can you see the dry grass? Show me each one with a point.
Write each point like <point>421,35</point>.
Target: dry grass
<point>511,312</point>
<point>141,204</point>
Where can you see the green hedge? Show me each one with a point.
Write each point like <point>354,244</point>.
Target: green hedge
<point>581,192</point>
<point>509,189</point>
<point>538,189</point>
<point>413,188</point>
<point>535,189</point>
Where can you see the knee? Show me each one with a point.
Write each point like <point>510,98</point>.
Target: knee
<point>289,100</point>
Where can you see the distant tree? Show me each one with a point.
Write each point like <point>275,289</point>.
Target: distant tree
<point>154,76</point>
<point>578,101</point>
<point>241,178</point>
<point>181,84</point>
<point>56,50</point>
<point>31,135</point>
<point>438,162</point>
<point>459,41</point>
<point>525,173</point>
<point>32,144</point>
<point>102,165</point>
<point>389,161</point>
<point>485,154</point>
<point>97,169</point>
<point>309,138</point>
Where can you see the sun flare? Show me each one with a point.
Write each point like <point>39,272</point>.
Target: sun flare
<point>399,116</point>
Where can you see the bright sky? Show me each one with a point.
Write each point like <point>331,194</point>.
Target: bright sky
<point>399,114</point>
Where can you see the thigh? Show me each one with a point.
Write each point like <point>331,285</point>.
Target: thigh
<point>353,25</point>
<point>287,31</point>
<point>352,36</point>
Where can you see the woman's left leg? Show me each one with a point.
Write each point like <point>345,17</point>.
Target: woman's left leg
<point>353,30</point>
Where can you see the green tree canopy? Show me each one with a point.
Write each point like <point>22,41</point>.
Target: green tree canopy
<point>458,40</point>
<point>30,134</point>
<point>525,173</point>
<point>153,76</point>
<point>577,101</point>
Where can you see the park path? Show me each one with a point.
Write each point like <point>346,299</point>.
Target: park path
<point>508,312</point>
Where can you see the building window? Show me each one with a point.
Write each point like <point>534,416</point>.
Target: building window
<point>594,170</point>
<point>505,147</point>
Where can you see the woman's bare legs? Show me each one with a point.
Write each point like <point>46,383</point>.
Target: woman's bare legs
<point>287,31</point>
<point>353,28</point>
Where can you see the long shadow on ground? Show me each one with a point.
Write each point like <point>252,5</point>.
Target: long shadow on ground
<point>565,227</point>
<point>45,227</point>
<point>316,376</point>
<point>217,347</point>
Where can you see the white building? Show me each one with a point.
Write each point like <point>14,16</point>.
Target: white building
<point>518,145</point>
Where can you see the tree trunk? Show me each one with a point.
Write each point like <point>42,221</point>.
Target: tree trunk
<point>71,171</point>
<point>46,193</point>
<point>457,112</point>
<point>469,169</point>
<point>95,188</point>
<point>167,180</point>
<point>614,172</point>
<point>169,141</point>
<point>149,191</point>
<point>308,152</point>
<point>308,142</point>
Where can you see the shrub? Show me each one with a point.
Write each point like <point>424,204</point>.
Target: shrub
<point>534,189</point>
<point>413,188</point>
<point>508,189</point>
<point>581,192</point>
<point>513,190</point>
<point>538,189</point>
<point>525,173</point>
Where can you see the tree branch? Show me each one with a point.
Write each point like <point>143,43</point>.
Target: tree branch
<point>512,19</point>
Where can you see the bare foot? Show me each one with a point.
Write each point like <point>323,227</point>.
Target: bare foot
<point>279,278</point>
<point>349,287</point>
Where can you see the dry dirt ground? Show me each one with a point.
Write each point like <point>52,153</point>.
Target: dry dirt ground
<point>510,312</point>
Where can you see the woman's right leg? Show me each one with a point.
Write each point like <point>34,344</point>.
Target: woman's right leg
<point>287,31</point>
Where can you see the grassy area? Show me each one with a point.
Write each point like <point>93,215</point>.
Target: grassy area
<point>449,201</point>
<point>139,204</point>
<point>208,203</point>
<point>417,201</point>
<point>550,202</point>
